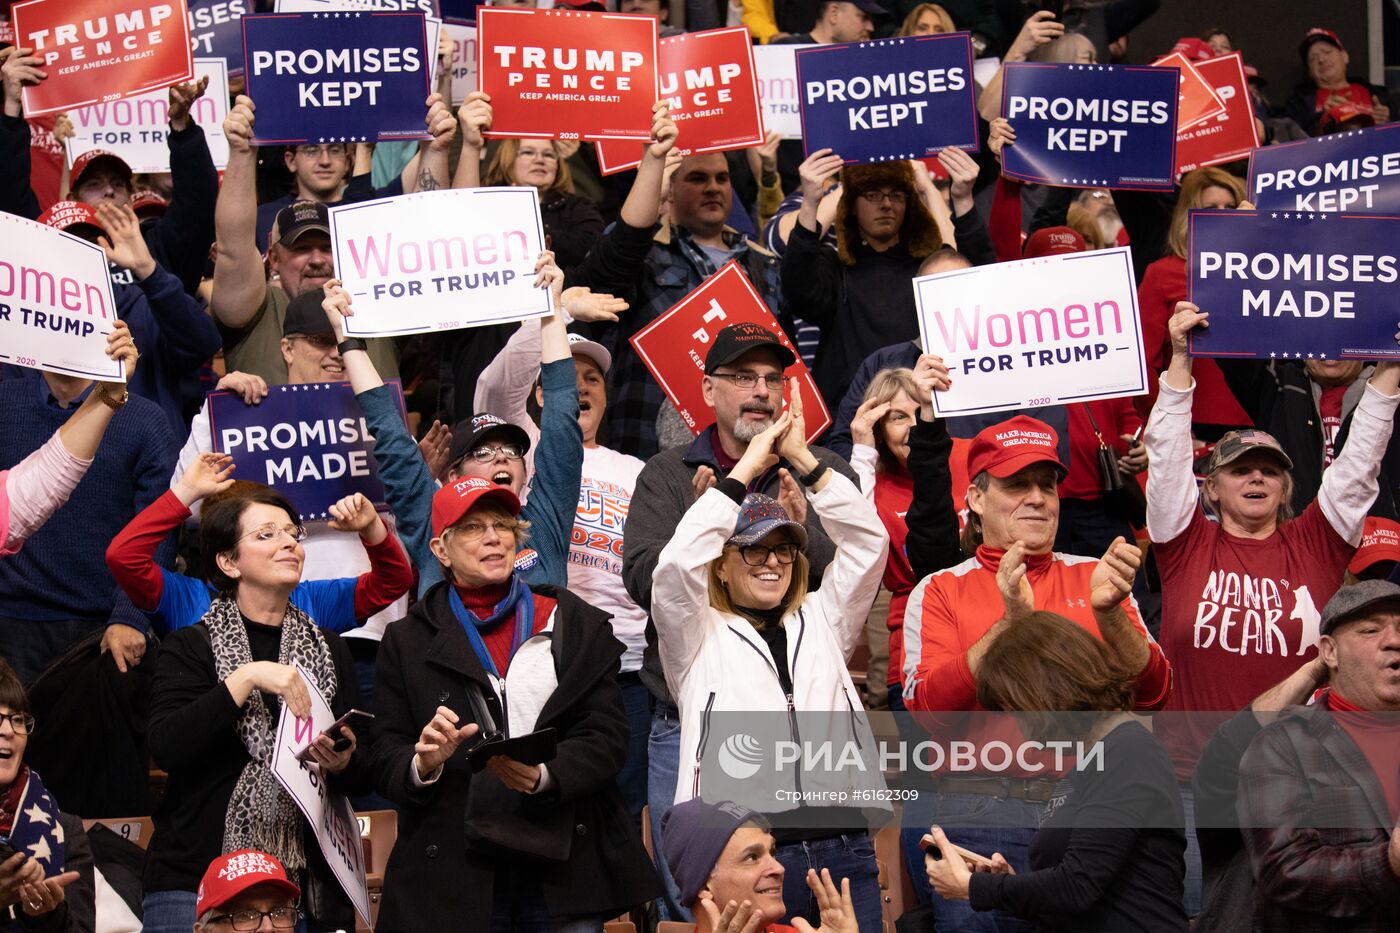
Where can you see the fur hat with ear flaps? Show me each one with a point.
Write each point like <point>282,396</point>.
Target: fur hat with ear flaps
<point>919,234</point>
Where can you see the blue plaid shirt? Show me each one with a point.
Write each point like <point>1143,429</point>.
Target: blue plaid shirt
<point>654,269</point>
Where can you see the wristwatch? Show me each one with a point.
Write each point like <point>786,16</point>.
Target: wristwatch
<point>114,402</point>
<point>351,343</point>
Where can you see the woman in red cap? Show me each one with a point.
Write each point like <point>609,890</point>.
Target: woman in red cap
<point>739,633</point>
<point>535,837</point>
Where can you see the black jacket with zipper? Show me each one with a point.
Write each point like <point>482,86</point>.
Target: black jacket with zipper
<point>441,875</point>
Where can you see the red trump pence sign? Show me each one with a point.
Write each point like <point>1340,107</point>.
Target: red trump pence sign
<point>1229,136</point>
<point>560,74</point>
<point>707,80</point>
<point>673,347</point>
<point>101,50</point>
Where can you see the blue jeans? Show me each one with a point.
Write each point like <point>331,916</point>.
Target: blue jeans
<point>849,856</point>
<point>1194,873</point>
<point>983,824</point>
<point>168,912</point>
<point>663,766</point>
<point>632,779</point>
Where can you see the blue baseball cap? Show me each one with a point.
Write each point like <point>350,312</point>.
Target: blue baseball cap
<point>760,516</point>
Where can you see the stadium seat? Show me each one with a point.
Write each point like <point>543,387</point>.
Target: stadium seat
<point>135,829</point>
<point>381,829</point>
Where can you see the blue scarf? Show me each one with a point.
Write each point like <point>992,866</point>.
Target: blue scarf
<point>35,830</point>
<point>519,602</point>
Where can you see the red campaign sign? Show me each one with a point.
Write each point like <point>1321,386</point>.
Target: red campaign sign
<point>101,50</point>
<point>707,79</point>
<point>1230,136</point>
<point>46,160</point>
<point>562,74</point>
<point>673,347</point>
<point>1199,101</point>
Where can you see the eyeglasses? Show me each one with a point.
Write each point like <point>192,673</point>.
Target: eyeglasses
<point>21,723</point>
<point>773,381</point>
<point>488,452</point>
<point>756,555</point>
<point>875,197</point>
<point>334,150</point>
<point>475,531</point>
<point>549,155</point>
<point>319,341</point>
<point>267,533</point>
<point>283,918</point>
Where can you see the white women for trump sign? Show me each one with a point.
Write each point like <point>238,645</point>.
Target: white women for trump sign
<point>1047,331</point>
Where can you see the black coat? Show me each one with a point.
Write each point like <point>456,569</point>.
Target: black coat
<point>572,224</point>
<point>438,880</point>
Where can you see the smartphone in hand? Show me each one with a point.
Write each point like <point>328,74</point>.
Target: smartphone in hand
<point>356,719</point>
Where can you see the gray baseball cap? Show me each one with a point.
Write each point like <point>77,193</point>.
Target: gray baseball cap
<point>1351,602</point>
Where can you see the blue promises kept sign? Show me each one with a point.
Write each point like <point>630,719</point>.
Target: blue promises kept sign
<point>1295,284</point>
<point>216,30</point>
<point>309,442</point>
<point>1357,172</point>
<point>888,99</point>
<point>337,76</point>
<point>1109,126</point>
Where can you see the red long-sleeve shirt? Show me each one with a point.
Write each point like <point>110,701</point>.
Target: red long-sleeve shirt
<point>1115,417</point>
<point>131,559</point>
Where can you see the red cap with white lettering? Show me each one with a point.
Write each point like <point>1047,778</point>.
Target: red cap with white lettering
<point>81,163</point>
<point>1007,448</point>
<point>1380,540</point>
<point>230,875</point>
<point>65,214</point>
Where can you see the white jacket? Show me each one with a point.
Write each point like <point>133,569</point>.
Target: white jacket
<point>716,662</point>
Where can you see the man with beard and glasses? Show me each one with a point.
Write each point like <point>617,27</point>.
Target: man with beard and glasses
<point>743,383</point>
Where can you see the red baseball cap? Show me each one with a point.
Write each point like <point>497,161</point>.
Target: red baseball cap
<point>1011,446</point>
<point>65,214</point>
<point>82,162</point>
<point>148,204</point>
<point>1380,540</point>
<point>230,875</point>
<point>1193,48</point>
<point>1051,241</point>
<point>1318,34</point>
<point>457,498</point>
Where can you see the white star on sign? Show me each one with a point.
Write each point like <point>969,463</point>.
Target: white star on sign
<point>1310,356</point>
<point>1274,215</point>
<point>1285,216</point>
<point>1273,356</point>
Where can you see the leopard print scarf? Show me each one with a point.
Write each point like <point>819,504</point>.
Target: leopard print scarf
<point>260,814</point>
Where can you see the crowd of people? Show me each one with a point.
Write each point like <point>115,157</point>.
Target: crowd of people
<point>1195,582</point>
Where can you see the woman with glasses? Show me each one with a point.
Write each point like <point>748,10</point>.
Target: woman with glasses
<point>46,880</point>
<point>535,837</point>
<point>219,690</point>
<point>572,223</point>
<point>739,633</point>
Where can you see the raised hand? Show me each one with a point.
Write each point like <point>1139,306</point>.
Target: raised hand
<point>238,125</point>
<point>867,416</point>
<point>549,275</point>
<point>930,376</point>
<point>761,453</point>
<point>209,473</point>
<point>585,305</point>
<point>1112,580</point>
<point>120,346</point>
<point>252,389</point>
<point>735,918</point>
<point>21,68</point>
<point>354,513</point>
<point>790,497</point>
<point>439,741</point>
<point>663,131</point>
<point>815,171</point>
<point>475,117</point>
<point>62,128</point>
<point>182,98</point>
<point>763,158</point>
<point>436,447</point>
<point>704,478</point>
<point>962,170</point>
<point>440,123</point>
<point>336,304</point>
<point>1000,136</point>
<point>836,909</point>
<point>1040,29</point>
<point>1016,594</point>
<point>124,244</point>
<point>793,444</point>
<point>1185,319</point>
